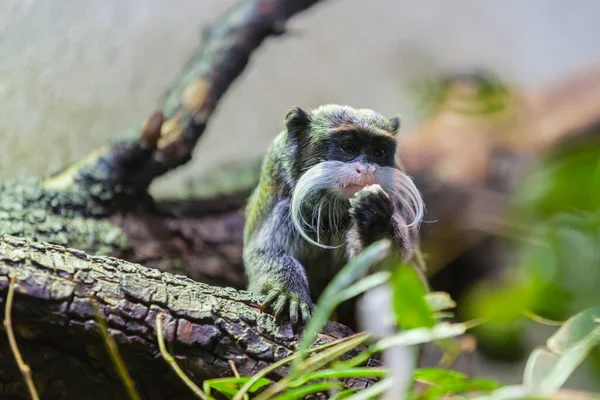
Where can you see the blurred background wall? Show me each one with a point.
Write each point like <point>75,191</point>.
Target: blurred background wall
<point>73,73</point>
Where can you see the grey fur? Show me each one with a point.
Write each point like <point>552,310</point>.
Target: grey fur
<point>300,231</point>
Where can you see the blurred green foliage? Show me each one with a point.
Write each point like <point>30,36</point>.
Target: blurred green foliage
<point>556,268</point>
<point>482,93</point>
<point>549,367</point>
<point>419,317</point>
<point>444,382</point>
<point>409,302</point>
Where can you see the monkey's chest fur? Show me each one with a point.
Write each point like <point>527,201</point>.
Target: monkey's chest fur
<point>321,265</point>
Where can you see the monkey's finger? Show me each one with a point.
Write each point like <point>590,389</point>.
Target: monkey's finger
<point>305,310</point>
<point>271,296</point>
<point>294,311</point>
<point>279,306</point>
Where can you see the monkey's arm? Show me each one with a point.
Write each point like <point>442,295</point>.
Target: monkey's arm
<point>272,269</point>
<point>375,217</point>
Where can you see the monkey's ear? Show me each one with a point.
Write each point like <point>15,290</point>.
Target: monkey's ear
<point>394,124</point>
<point>297,121</point>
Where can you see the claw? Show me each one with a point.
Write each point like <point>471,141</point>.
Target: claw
<point>279,306</point>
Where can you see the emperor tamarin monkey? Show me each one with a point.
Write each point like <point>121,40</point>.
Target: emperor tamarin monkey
<point>330,185</point>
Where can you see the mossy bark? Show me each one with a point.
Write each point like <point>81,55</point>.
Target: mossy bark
<point>58,291</point>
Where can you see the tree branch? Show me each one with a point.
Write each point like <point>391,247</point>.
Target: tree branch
<point>204,326</point>
<point>167,138</point>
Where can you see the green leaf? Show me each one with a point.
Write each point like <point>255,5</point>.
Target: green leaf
<point>434,376</point>
<point>500,304</point>
<point>421,335</point>
<point>445,382</point>
<point>226,390</point>
<point>364,285</point>
<point>439,301</point>
<point>443,314</point>
<point>230,386</point>
<point>411,308</point>
<point>330,298</point>
<point>548,368</point>
<point>341,373</point>
<point>343,394</point>
<point>511,392</point>
<point>575,330</point>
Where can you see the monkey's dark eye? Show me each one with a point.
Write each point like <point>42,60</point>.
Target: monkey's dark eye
<point>379,152</point>
<point>349,148</point>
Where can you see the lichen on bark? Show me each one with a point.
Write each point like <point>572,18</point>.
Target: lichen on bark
<point>205,326</point>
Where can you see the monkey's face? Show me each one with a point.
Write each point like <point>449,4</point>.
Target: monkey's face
<point>338,151</point>
<point>362,154</point>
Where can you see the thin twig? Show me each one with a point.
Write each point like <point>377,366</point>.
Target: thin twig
<point>541,320</point>
<point>171,361</point>
<point>233,368</point>
<point>113,350</point>
<point>24,368</point>
<point>236,373</point>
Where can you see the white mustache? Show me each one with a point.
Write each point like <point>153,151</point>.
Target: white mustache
<point>321,183</point>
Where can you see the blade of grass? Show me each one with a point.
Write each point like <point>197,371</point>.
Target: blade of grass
<point>343,394</point>
<point>421,335</point>
<point>541,320</point>
<point>271,368</point>
<point>365,285</point>
<point>317,361</point>
<point>225,390</point>
<point>213,383</point>
<point>23,368</point>
<point>354,361</point>
<point>373,391</point>
<point>364,372</point>
<point>208,384</point>
<point>113,351</point>
<point>173,364</point>
<point>330,298</point>
<point>313,363</point>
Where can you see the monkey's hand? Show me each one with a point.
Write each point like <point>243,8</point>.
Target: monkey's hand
<point>284,300</point>
<point>372,210</point>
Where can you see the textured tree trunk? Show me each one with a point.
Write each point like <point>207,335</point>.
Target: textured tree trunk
<point>54,312</point>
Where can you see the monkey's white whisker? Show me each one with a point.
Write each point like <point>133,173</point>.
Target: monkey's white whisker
<point>319,222</point>
<point>403,190</point>
<point>310,188</point>
<point>316,189</point>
